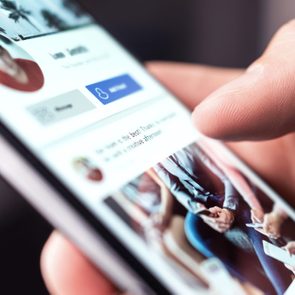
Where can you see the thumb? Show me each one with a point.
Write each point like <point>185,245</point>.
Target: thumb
<point>260,104</point>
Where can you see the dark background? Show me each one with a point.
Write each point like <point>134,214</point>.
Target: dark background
<point>229,33</point>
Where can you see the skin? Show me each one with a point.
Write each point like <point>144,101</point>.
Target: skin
<point>272,222</point>
<point>11,68</point>
<point>220,219</point>
<point>253,110</point>
<point>163,217</point>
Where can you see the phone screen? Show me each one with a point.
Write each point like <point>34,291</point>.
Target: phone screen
<point>280,254</point>
<point>126,148</point>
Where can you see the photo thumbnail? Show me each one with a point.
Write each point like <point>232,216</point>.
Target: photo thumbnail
<point>195,207</point>
<point>18,70</point>
<point>23,19</point>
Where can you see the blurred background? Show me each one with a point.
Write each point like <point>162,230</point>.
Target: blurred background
<point>230,33</point>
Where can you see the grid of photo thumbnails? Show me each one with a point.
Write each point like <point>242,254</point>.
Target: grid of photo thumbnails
<point>195,206</point>
<point>23,19</point>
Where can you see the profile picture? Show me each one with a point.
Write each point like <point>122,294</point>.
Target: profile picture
<point>18,70</point>
<point>86,168</point>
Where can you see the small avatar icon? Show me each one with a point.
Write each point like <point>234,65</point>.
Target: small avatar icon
<point>88,169</point>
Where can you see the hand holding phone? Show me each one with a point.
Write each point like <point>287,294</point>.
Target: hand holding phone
<point>95,127</point>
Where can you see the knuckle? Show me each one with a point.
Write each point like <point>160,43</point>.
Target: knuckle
<point>258,66</point>
<point>288,27</point>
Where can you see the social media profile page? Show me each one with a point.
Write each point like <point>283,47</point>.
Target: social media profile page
<point>99,120</point>
<point>97,102</point>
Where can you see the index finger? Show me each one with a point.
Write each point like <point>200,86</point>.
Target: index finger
<point>191,83</point>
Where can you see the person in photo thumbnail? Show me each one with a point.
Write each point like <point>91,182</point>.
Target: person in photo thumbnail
<point>273,221</point>
<point>193,179</point>
<point>18,73</point>
<point>88,169</point>
<point>154,199</point>
<point>197,181</point>
<point>278,227</point>
<point>147,207</point>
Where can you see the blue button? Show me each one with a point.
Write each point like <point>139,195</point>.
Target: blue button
<point>113,89</point>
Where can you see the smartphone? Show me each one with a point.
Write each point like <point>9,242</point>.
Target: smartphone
<point>99,147</point>
<point>204,212</point>
<point>279,253</point>
<point>254,225</point>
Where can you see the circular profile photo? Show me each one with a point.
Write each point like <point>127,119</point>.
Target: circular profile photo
<point>18,70</point>
<point>87,169</point>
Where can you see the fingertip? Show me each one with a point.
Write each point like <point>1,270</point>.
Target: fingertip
<point>47,262</point>
<point>67,271</point>
<point>190,83</point>
<point>258,105</point>
<point>210,121</point>
<point>234,111</point>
